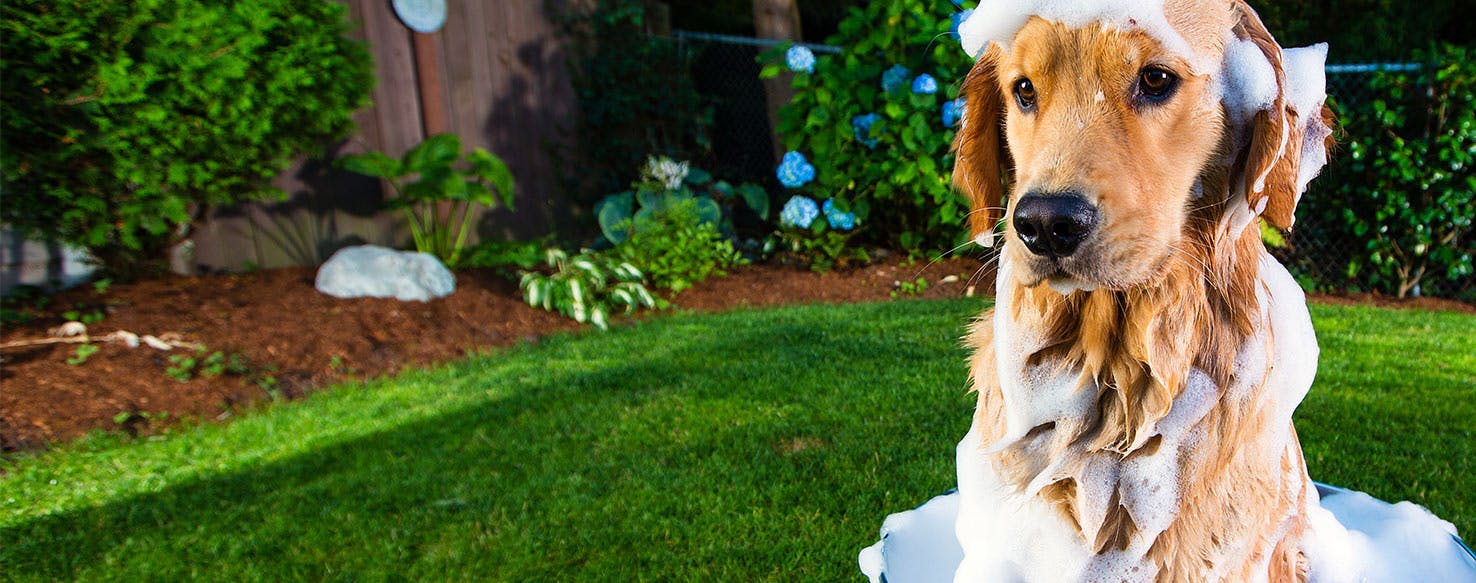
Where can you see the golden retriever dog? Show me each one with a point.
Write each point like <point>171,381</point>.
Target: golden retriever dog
<point>1137,375</point>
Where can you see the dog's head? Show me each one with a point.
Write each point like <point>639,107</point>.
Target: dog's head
<point>1115,135</point>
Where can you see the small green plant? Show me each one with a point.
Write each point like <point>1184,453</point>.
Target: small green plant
<point>910,288</point>
<point>676,248</point>
<point>666,183</point>
<point>25,303</point>
<point>207,364</point>
<point>505,254</point>
<point>101,286</point>
<point>436,172</point>
<point>586,287</point>
<point>339,365</point>
<point>90,317</point>
<point>133,417</point>
<point>83,352</point>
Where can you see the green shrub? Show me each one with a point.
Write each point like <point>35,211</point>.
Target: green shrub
<point>505,254</point>
<point>439,229</point>
<point>677,248</point>
<point>635,93</point>
<point>901,162</point>
<point>664,183</point>
<point>123,120</point>
<point>586,287</point>
<point>1403,196</point>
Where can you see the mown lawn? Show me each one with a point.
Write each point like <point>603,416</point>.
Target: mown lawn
<point>749,445</point>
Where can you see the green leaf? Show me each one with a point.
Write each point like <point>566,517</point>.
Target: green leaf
<point>479,193</point>
<point>698,177</point>
<point>708,211</point>
<point>374,164</point>
<point>492,169</point>
<point>435,153</point>
<point>756,198</point>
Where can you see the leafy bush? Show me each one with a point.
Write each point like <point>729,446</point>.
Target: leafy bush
<point>586,287</point>
<point>821,244</point>
<point>872,120</point>
<point>677,247</point>
<point>635,93</point>
<point>504,254</point>
<point>1404,194</point>
<point>482,179</point>
<point>665,183</point>
<point>122,120</point>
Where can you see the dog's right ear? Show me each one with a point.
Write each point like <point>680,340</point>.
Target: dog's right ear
<point>978,167</point>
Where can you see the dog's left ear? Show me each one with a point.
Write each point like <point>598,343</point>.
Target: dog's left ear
<point>1273,166</point>
<point>979,169</point>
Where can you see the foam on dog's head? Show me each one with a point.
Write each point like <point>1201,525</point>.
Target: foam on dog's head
<point>1248,81</point>
<point>997,21</point>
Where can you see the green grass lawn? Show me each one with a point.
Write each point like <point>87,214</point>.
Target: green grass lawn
<point>756,444</point>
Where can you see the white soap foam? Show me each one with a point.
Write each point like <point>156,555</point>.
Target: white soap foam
<point>1351,537</point>
<point>1306,80</point>
<point>1032,395</point>
<point>998,21</point>
<point>1249,81</point>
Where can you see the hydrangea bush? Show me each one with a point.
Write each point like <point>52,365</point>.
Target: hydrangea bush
<point>818,232</point>
<point>874,125</point>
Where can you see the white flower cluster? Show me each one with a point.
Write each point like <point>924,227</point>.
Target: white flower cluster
<point>668,172</point>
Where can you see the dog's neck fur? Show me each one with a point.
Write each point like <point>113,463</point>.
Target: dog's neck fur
<point>1131,353</point>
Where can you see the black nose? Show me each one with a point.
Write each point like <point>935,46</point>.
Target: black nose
<point>1054,224</point>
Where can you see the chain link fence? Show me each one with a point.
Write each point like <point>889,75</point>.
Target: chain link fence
<point>1320,251</point>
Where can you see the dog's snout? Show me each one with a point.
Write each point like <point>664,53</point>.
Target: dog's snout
<point>1054,224</point>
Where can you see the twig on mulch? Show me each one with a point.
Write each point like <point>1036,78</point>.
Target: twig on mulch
<point>76,333</point>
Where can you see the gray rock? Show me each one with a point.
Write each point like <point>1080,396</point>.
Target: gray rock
<point>379,272</point>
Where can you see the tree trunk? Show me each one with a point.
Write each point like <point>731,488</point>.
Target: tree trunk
<point>780,20</point>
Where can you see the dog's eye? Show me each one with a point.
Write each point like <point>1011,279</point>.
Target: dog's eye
<point>1025,94</point>
<point>1156,84</point>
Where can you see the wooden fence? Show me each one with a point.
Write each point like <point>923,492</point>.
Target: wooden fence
<point>503,85</point>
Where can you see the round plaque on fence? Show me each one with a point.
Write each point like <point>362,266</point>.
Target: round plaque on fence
<point>425,16</point>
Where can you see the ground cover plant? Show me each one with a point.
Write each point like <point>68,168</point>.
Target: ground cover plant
<point>747,445</point>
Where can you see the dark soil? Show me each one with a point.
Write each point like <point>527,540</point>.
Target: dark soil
<point>293,340</point>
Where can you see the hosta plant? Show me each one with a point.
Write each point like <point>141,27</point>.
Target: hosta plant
<point>587,287</point>
<point>665,183</point>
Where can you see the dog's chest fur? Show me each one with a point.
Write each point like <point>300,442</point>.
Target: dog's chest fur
<point>1086,468</point>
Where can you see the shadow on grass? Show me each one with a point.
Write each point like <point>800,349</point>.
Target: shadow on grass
<point>758,445</point>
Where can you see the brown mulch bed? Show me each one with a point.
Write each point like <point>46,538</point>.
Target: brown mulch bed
<point>294,340</point>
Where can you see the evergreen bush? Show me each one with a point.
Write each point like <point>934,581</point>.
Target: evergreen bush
<point>123,120</point>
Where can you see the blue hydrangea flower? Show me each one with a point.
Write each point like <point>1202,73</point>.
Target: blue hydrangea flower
<point>895,78</point>
<point>953,112</point>
<point>794,170</point>
<point>798,213</point>
<point>800,59</point>
<point>862,124</point>
<point>838,220</point>
<point>925,84</point>
<point>957,19</point>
